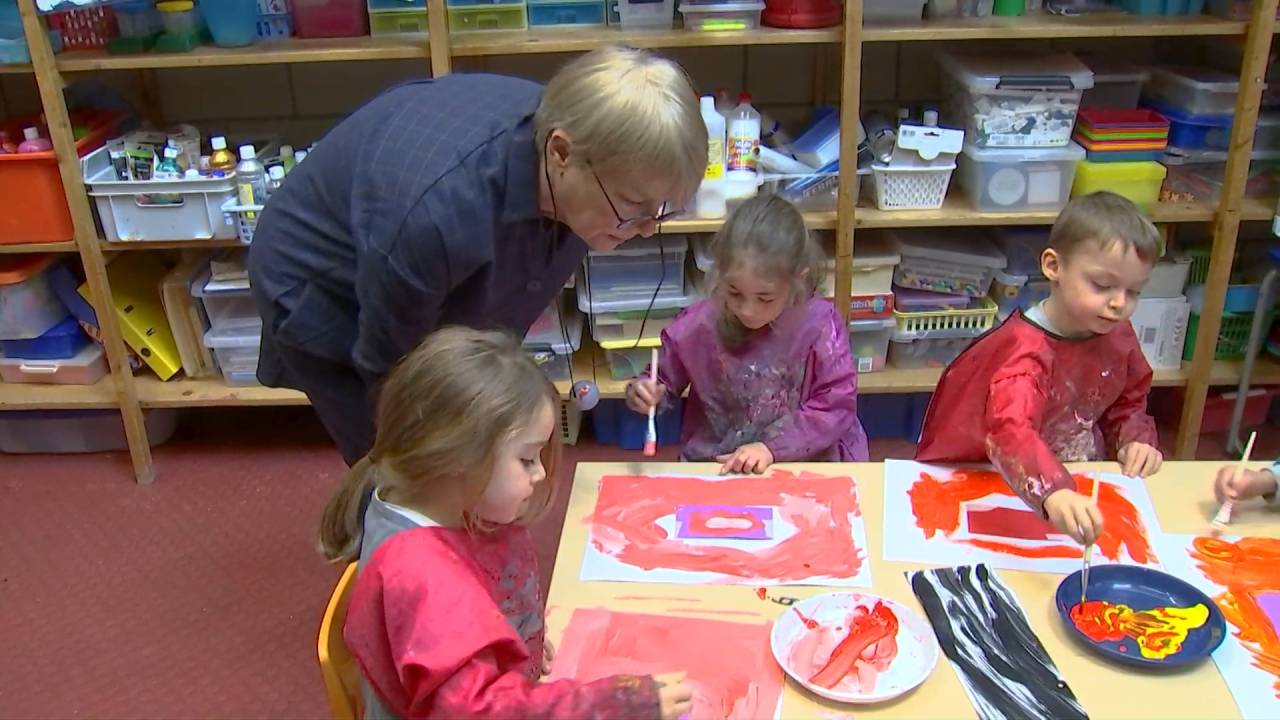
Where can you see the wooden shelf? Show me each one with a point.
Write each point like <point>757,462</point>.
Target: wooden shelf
<point>824,220</point>
<point>957,212</point>
<point>171,245</point>
<point>211,392</point>
<point>1266,371</point>
<point>58,247</point>
<point>1044,25</point>
<point>580,39</point>
<point>279,52</point>
<point>16,69</point>
<point>20,396</point>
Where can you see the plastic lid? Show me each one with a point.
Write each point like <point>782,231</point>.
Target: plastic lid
<point>990,72</point>
<point>931,118</point>
<point>299,155</point>
<point>248,153</point>
<point>553,339</point>
<point>31,133</point>
<point>1197,78</point>
<point>720,7</point>
<point>871,324</point>
<point>1113,71</point>
<point>647,246</point>
<point>276,172</point>
<point>1070,151</point>
<point>19,268</point>
<point>961,248</point>
<point>175,6</point>
<point>1005,278</point>
<point>1179,115</point>
<point>873,250</point>
<point>217,142</point>
<point>286,150</point>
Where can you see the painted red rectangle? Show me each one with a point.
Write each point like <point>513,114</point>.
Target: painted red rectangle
<point>1008,523</point>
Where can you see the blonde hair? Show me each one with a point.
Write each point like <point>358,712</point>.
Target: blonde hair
<point>629,111</point>
<point>768,234</point>
<point>1107,218</point>
<point>442,414</point>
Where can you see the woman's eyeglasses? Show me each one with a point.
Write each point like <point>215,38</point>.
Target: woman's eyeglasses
<point>662,215</point>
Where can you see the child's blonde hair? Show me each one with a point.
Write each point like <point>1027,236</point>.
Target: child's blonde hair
<point>631,112</point>
<point>443,412</point>
<point>1107,218</point>
<point>767,233</point>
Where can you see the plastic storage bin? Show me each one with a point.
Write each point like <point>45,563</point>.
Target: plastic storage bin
<point>1022,248</point>
<point>1162,7</point>
<point>158,209</point>
<point>1020,102</point>
<point>874,260</point>
<point>573,12</point>
<point>1232,10</point>
<point>59,342</point>
<point>406,22</point>
<point>869,343</point>
<point>646,13</point>
<point>230,309</point>
<point>35,206</point>
<point>1233,335</point>
<point>330,18</point>
<point>87,28</point>
<point>236,350</point>
<point>711,17</point>
<point>275,19</point>
<point>232,23</point>
<point>620,279</point>
<point>487,17</point>
<point>1006,289</point>
<point>958,8</point>
<point>1193,90</point>
<point>926,353</point>
<point>13,41</point>
<point>1137,181</point>
<point>1116,85</point>
<point>86,367</point>
<point>970,321</point>
<point>615,424</point>
<point>553,352</point>
<point>962,264</point>
<point>1168,278</point>
<point>29,306</point>
<point>911,188</point>
<point>1188,132</point>
<point>77,431</point>
<point>801,14</point>
<point>1019,180</point>
<point>629,358</point>
<point>890,11</point>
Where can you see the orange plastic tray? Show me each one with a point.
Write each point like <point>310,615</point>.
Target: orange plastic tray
<point>34,205</point>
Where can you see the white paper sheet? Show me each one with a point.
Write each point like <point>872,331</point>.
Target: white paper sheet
<point>929,537</point>
<point>818,533</point>
<point>1255,690</point>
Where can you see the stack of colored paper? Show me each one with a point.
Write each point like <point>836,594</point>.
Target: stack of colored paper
<point>1122,135</point>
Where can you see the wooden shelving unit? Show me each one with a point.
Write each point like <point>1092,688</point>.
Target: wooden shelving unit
<point>130,394</point>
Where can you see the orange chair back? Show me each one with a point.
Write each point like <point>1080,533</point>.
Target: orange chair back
<point>341,675</point>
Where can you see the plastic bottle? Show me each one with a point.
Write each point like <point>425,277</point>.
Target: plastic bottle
<point>298,157</point>
<point>743,142</point>
<point>710,202</point>
<point>6,143</point>
<point>725,103</point>
<point>882,136</point>
<point>33,142</point>
<point>931,118</point>
<point>169,168</point>
<point>251,178</point>
<point>221,161</point>
<point>275,178</point>
<point>773,135</point>
<point>286,158</point>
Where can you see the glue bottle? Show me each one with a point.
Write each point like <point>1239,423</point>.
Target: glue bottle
<point>743,142</point>
<point>710,202</point>
<point>251,178</point>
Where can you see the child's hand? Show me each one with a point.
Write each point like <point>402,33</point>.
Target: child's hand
<point>548,655</point>
<point>643,394</point>
<point>1075,515</point>
<point>1252,484</point>
<point>753,458</point>
<point>675,697</point>
<point>1140,460</point>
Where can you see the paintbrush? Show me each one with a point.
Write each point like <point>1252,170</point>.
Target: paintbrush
<point>1223,518</point>
<point>1088,551</point>
<point>651,435</point>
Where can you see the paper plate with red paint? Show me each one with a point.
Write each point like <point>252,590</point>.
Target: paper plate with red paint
<point>1139,616</point>
<point>854,647</point>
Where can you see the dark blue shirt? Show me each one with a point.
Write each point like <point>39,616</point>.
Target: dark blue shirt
<point>417,211</point>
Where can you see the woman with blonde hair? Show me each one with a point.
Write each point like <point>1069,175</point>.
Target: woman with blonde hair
<point>467,199</point>
<point>445,619</point>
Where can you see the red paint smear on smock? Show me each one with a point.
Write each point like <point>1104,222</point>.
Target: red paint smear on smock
<point>625,524</point>
<point>1247,569</point>
<point>598,643</point>
<point>937,505</point>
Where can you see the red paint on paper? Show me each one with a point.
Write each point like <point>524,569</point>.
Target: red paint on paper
<point>808,621</point>
<point>761,593</point>
<point>1248,569</point>
<point>820,508</point>
<point>598,643</point>
<point>848,661</point>
<point>937,504</point>
<point>1008,523</point>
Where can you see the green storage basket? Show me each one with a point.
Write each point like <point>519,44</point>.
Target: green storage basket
<point>1233,336</point>
<point>1199,266</point>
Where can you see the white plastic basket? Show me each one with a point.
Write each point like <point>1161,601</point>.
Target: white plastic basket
<point>243,217</point>
<point>942,324</point>
<point>911,188</point>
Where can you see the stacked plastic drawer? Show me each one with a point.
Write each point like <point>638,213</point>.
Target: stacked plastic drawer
<point>40,340</point>
<point>397,17</point>
<point>487,15</point>
<point>235,329</point>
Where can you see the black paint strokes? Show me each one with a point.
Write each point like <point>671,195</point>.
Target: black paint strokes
<point>1001,663</point>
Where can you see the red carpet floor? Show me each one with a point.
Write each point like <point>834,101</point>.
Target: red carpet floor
<point>199,596</point>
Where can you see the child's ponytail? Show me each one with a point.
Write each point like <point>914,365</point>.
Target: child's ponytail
<point>341,526</point>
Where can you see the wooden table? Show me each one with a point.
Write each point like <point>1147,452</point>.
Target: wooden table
<point>1183,499</point>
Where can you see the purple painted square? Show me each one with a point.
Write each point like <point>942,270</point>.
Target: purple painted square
<point>741,522</point>
<point>1270,604</point>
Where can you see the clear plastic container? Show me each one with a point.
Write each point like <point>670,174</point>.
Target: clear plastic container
<point>330,18</point>
<point>926,353</point>
<point>554,353</point>
<point>1022,248</point>
<point>1189,132</point>
<point>628,362</point>
<point>1006,288</point>
<point>1116,85</point>
<point>86,367</point>
<point>62,341</point>
<point>377,5</point>
<point>634,270</point>
<point>77,431</point>
<point>572,12</point>
<point>1137,181</point>
<point>874,259</point>
<point>138,19</point>
<point>869,343</point>
<point>232,23</point>
<point>227,309</point>
<point>958,8</point>
<point>631,326</point>
<point>179,17</point>
<point>892,11</point>
<point>715,17</point>
<point>646,13</point>
<point>29,307</point>
<point>398,22</point>
<point>487,17</point>
<point>1021,102</point>
<point>1193,90</point>
<point>961,263</point>
<point>1018,180</point>
<point>236,350</point>
<point>1168,278</point>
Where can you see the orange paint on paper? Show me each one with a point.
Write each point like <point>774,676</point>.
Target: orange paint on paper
<point>938,505</point>
<point>1158,632</point>
<point>626,525</point>
<point>1249,570</point>
<point>856,657</point>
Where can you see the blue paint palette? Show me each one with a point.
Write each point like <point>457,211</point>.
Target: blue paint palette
<point>1143,589</point>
